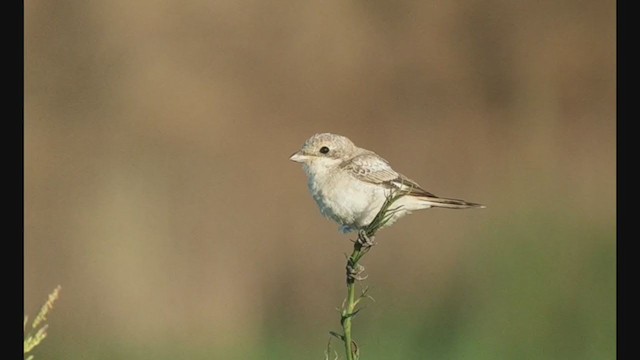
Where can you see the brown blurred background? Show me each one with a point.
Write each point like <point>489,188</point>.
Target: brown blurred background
<point>159,194</point>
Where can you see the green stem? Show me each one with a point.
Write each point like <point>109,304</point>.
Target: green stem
<point>349,308</point>
<point>360,247</point>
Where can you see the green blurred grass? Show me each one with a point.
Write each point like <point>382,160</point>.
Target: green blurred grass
<point>535,286</point>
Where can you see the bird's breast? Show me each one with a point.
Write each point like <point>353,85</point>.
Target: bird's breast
<point>341,197</point>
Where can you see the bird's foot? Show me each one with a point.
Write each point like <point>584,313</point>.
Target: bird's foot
<point>365,240</point>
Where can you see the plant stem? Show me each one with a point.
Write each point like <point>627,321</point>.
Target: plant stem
<point>349,308</point>
<point>361,246</point>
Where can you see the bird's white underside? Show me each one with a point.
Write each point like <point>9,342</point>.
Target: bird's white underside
<point>350,202</point>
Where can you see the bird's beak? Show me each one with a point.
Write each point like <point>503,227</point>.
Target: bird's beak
<point>298,157</point>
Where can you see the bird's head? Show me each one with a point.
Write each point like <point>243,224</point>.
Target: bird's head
<point>325,150</point>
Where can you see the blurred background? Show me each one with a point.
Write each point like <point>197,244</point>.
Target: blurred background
<point>159,194</point>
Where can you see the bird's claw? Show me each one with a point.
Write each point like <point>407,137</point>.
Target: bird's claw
<point>365,240</point>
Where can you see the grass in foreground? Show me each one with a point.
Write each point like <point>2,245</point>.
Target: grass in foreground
<point>38,329</point>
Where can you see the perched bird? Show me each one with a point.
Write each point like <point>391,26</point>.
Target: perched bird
<point>350,184</point>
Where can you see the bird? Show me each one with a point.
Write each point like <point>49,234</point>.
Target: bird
<point>350,184</point>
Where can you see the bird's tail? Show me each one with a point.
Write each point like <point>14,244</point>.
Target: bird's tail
<point>435,201</point>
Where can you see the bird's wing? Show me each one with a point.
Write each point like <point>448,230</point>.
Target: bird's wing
<point>371,168</point>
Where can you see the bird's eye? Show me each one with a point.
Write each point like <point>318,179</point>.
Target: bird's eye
<point>324,149</point>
